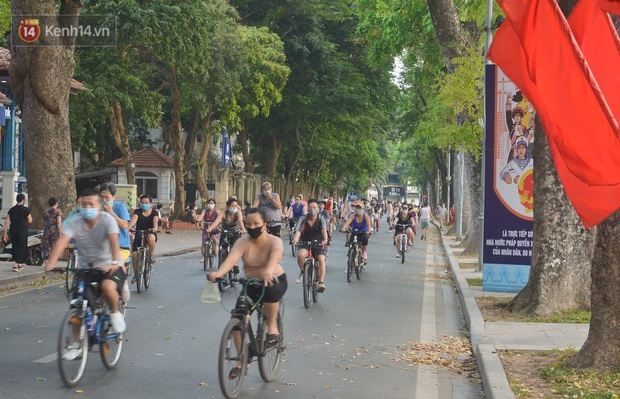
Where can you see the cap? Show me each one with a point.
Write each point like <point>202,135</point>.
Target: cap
<point>323,200</point>
<point>358,203</point>
<point>521,141</point>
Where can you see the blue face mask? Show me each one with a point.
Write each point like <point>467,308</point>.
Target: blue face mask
<point>145,207</point>
<point>233,210</point>
<point>89,213</point>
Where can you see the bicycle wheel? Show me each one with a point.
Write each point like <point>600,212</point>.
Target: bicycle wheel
<point>140,271</point>
<point>294,250</point>
<point>307,286</point>
<point>223,254</point>
<point>233,356</point>
<point>148,269</point>
<point>72,353</point>
<point>403,248</point>
<point>70,272</point>
<point>111,343</point>
<point>269,361</point>
<point>315,285</point>
<point>350,263</point>
<point>360,265</point>
<point>206,255</point>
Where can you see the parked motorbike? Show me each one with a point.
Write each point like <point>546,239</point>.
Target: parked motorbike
<point>34,249</point>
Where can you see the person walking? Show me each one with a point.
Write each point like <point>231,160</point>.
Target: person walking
<point>16,227</point>
<point>52,227</point>
<point>270,203</point>
<point>425,218</point>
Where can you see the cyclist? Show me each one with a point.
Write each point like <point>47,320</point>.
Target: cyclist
<point>324,213</point>
<point>270,203</point>
<point>207,217</point>
<point>360,221</point>
<point>406,217</point>
<point>349,208</point>
<point>231,219</point>
<point>96,234</point>
<point>295,211</point>
<point>261,254</point>
<point>118,210</point>
<point>311,227</point>
<point>425,218</point>
<point>144,218</point>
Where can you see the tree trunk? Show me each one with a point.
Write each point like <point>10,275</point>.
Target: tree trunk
<point>40,81</point>
<point>471,205</point>
<point>245,148</point>
<point>190,141</point>
<point>176,143</point>
<point>602,347</point>
<point>562,248</point>
<point>272,165</point>
<point>201,165</point>
<point>121,139</point>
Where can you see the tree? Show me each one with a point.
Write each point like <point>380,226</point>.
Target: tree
<point>40,81</point>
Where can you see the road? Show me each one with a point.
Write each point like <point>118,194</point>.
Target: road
<point>345,346</point>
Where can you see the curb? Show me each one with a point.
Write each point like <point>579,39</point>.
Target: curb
<point>494,380</point>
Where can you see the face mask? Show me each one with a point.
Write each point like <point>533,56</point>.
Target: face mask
<point>267,192</point>
<point>359,211</point>
<point>405,211</point>
<point>233,210</point>
<point>321,207</point>
<point>255,232</point>
<point>313,212</point>
<point>145,207</point>
<point>210,206</point>
<point>89,213</point>
<point>351,203</point>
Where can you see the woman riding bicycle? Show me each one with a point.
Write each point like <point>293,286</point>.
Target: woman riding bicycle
<point>360,221</point>
<point>144,218</point>
<point>261,254</point>
<point>231,219</point>
<point>207,217</point>
<point>404,217</point>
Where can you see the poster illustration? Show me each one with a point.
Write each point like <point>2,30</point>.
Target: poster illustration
<point>509,184</point>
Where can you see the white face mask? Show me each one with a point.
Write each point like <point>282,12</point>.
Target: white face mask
<point>359,211</point>
<point>210,206</point>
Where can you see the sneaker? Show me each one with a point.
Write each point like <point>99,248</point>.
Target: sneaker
<point>168,232</point>
<point>398,255</point>
<point>321,287</point>
<point>125,295</point>
<point>118,322</point>
<point>410,243</point>
<point>153,260</point>
<point>73,352</point>
<point>300,278</point>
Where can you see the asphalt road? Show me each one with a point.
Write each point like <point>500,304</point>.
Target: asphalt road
<point>344,346</point>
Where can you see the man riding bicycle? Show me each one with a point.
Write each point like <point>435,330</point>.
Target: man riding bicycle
<point>145,219</point>
<point>311,227</point>
<point>296,211</point>
<point>96,234</point>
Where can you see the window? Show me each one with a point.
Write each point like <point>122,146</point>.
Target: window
<point>147,184</point>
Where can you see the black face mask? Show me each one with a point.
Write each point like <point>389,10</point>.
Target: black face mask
<point>255,232</point>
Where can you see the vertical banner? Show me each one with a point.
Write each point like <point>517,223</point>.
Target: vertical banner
<point>226,150</point>
<point>509,185</point>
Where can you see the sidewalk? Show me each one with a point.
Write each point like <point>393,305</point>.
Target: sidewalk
<point>177,243</point>
<point>488,338</point>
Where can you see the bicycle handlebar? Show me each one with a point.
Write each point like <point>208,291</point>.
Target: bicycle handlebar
<point>245,281</point>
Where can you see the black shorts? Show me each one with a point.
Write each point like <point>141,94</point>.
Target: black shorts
<point>362,238</point>
<point>137,241</point>
<point>274,230</point>
<point>273,294</point>
<point>316,249</point>
<point>118,277</point>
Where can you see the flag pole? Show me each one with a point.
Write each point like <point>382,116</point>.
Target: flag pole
<point>489,38</point>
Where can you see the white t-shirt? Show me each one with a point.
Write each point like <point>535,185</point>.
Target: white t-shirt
<point>93,245</point>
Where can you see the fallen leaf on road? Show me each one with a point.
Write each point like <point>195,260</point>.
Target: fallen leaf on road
<point>204,384</point>
<point>41,379</point>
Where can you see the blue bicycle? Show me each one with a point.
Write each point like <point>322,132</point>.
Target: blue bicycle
<point>81,329</point>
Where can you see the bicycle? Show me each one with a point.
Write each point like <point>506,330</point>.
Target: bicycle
<point>224,251</point>
<point>208,252</point>
<point>143,261</point>
<point>402,241</point>
<point>294,248</point>
<point>239,343</point>
<point>80,331</point>
<point>310,273</point>
<point>355,261</point>
<point>71,266</point>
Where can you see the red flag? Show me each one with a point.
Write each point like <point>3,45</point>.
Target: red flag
<point>537,51</point>
<point>611,6</point>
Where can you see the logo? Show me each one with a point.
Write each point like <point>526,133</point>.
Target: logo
<point>29,30</point>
